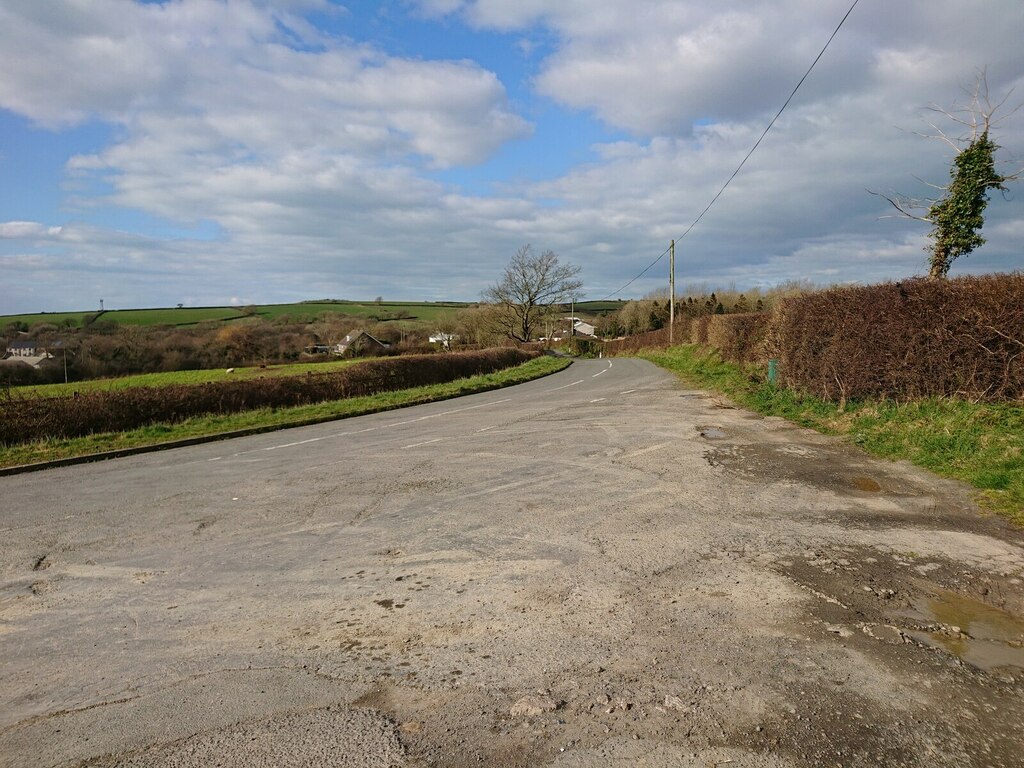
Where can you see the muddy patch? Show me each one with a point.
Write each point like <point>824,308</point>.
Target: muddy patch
<point>903,599</point>
<point>837,469</point>
<point>984,637</point>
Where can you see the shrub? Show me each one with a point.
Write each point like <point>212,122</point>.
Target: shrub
<point>739,337</point>
<point>918,338</point>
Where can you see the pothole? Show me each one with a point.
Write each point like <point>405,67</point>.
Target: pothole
<point>973,631</point>
<point>865,484</point>
<point>712,433</point>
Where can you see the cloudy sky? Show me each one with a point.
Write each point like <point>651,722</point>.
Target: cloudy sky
<point>240,151</point>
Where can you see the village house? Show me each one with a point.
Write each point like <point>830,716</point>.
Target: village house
<point>358,343</point>
<point>28,352</point>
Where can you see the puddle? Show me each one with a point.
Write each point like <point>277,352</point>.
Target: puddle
<point>988,639</point>
<point>866,484</point>
<point>712,433</point>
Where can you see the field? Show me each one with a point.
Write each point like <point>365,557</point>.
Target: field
<point>593,307</point>
<point>301,311</point>
<point>385,310</point>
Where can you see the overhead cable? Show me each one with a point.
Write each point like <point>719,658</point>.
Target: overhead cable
<point>747,156</point>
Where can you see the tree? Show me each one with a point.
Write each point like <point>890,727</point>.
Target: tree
<point>957,216</point>
<point>529,291</point>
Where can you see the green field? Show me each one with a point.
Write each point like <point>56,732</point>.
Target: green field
<point>309,310</point>
<point>592,307</point>
<point>178,377</point>
<point>305,311</point>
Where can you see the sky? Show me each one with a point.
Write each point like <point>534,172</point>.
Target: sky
<point>211,152</point>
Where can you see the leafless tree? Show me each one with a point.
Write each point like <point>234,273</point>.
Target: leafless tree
<point>529,291</point>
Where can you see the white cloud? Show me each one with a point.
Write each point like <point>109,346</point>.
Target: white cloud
<point>314,155</point>
<point>226,79</point>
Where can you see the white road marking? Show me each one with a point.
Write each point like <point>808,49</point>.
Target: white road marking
<point>648,449</point>
<point>384,426</point>
<point>627,392</point>
<point>218,458</point>
<point>301,442</point>
<point>485,429</point>
<point>426,442</point>
<point>566,386</point>
<point>599,373</point>
<point>447,413</point>
<point>598,400</point>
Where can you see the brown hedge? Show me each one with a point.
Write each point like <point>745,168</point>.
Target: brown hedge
<point>913,339</point>
<point>26,419</point>
<point>739,337</point>
<point>651,339</point>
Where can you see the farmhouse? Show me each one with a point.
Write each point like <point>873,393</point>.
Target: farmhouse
<point>444,339</point>
<point>357,343</point>
<point>26,352</point>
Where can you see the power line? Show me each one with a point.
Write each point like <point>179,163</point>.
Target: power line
<point>747,156</point>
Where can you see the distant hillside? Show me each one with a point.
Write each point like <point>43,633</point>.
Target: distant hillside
<point>299,312</point>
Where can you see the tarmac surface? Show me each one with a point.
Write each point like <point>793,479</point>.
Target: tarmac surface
<point>598,568</point>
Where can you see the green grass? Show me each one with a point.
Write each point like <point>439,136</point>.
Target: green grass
<point>979,443</point>
<point>304,311</point>
<point>178,377</point>
<point>183,316</point>
<point>43,317</point>
<point>599,306</point>
<point>309,310</point>
<point>271,418</point>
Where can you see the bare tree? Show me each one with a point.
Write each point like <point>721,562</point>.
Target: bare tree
<point>957,215</point>
<point>529,290</point>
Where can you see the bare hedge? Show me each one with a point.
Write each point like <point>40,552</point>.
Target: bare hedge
<point>26,419</point>
<point>917,338</point>
<point>651,339</point>
<point>739,337</point>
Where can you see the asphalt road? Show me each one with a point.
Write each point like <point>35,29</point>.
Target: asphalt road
<point>597,568</point>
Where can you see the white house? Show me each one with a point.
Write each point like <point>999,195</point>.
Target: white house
<point>444,339</point>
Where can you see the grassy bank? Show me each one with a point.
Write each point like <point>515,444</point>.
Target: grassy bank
<point>49,450</point>
<point>981,444</point>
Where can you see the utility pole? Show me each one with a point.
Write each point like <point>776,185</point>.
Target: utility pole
<point>671,291</point>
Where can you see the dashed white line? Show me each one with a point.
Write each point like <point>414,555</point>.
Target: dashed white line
<point>599,373</point>
<point>566,386</point>
<point>627,392</point>
<point>425,442</point>
<point>486,429</point>
<point>300,442</point>
<point>598,400</point>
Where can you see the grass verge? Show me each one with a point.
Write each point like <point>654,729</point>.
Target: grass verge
<point>273,418</point>
<point>979,443</point>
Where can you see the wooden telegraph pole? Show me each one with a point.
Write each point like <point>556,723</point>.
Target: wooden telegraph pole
<point>671,291</point>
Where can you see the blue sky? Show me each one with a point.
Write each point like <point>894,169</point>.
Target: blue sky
<point>212,152</point>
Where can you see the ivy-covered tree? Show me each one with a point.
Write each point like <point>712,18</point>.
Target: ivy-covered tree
<point>958,215</point>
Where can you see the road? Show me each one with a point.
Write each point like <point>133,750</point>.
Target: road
<point>601,567</point>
